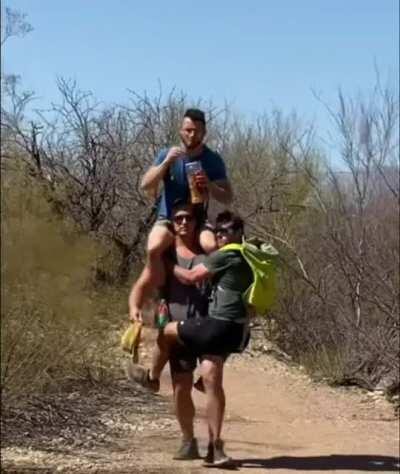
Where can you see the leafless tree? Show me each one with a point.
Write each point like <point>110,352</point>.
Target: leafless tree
<point>341,292</point>
<point>337,232</point>
<point>14,24</point>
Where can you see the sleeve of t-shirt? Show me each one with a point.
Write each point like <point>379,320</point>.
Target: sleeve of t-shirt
<point>217,171</point>
<point>218,261</point>
<point>160,157</point>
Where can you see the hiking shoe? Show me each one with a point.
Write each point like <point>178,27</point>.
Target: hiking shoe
<point>187,450</point>
<point>220,459</point>
<point>199,385</point>
<point>141,376</point>
<point>209,458</point>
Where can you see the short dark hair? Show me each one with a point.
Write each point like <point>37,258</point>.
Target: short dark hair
<point>228,217</point>
<point>179,203</point>
<point>196,115</point>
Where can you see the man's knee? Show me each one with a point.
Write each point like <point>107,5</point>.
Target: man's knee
<point>168,337</point>
<point>160,238</point>
<point>207,240</point>
<point>212,373</point>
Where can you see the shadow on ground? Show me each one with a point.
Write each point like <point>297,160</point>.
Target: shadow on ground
<point>332,462</point>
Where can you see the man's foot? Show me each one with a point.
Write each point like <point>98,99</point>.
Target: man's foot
<point>188,450</point>
<point>220,459</point>
<point>140,375</point>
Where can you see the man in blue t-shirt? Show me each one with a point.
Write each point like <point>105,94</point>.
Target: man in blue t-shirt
<point>169,169</point>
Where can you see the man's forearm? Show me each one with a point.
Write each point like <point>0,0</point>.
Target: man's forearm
<point>139,292</point>
<point>221,192</point>
<point>195,275</point>
<point>183,275</point>
<point>154,175</point>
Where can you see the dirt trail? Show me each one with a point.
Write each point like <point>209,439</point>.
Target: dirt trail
<point>277,420</point>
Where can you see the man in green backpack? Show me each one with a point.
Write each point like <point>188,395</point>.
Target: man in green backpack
<point>225,331</point>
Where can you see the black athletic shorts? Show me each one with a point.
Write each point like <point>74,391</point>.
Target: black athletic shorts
<point>182,361</point>
<point>213,336</point>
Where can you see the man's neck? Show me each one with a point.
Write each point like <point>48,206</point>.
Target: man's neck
<point>196,151</point>
<point>187,245</point>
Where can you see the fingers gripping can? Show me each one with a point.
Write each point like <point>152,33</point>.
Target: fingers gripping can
<point>193,167</point>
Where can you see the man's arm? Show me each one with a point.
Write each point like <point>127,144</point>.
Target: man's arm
<point>195,275</point>
<point>137,297</point>
<point>156,173</point>
<point>221,191</point>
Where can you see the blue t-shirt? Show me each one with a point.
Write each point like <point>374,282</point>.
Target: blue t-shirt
<point>176,186</point>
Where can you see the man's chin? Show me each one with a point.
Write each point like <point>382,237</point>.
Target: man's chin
<point>193,146</point>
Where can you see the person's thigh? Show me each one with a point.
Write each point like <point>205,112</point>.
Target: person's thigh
<point>171,330</point>
<point>182,363</point>
<point>160,237</point>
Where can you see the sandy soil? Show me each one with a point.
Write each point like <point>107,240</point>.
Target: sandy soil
<point>277,420</point>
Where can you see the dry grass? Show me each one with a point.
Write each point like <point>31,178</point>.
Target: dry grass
<point>54,325</point>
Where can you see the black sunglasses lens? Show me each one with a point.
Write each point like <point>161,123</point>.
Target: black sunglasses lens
<point>180,219</point>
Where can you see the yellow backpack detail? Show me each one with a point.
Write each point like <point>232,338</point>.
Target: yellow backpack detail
<point>263,260</point>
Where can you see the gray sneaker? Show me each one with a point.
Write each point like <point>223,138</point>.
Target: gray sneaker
<point>187,450</point>
<point>219,458</point>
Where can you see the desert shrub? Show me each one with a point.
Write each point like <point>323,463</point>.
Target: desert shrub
<point>337,232</point>
<point>339,301</point>
<point>54,324</point>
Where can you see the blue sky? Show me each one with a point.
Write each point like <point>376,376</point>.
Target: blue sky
<point>257,54</point>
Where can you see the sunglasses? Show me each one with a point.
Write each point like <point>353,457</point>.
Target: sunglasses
<point>225,230</point>
<point>183,217</point>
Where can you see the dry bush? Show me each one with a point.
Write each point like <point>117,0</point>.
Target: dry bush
<point>91,158</point>
<point>340,297</point>
<point>337,233</point>
<point>54,329</point>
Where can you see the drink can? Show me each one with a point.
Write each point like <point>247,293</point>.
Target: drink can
<point>193,167</point>
<point>162,315</point>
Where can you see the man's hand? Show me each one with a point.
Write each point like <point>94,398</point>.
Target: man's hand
<point>201,180</point>
<point>174,153</point>
<point>135,314</point>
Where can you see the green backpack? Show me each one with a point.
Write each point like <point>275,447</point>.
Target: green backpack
<point>263,260</point>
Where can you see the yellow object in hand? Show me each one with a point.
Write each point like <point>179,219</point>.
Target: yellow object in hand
<point>130,340</point>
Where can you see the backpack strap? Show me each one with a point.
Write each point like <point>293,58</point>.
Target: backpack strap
<point>239,248</point>
<point>228,247</point>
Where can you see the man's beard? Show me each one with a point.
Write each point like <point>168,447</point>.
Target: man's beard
<point>193,146</point>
